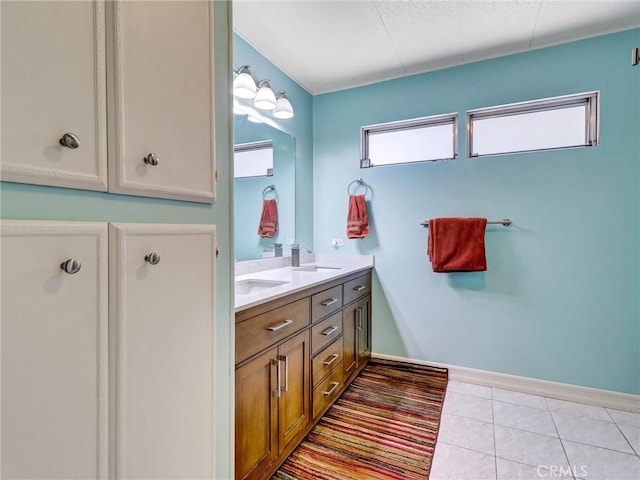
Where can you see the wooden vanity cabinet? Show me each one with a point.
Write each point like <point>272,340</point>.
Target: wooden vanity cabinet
<point>291,358</point>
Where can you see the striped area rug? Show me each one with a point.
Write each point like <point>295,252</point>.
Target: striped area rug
<point>384,426</point>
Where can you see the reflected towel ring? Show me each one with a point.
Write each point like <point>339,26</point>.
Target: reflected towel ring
<point>270,189</point>
<point>360,183</point>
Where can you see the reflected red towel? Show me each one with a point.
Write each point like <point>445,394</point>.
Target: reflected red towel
<point>357,218</point>
<point>457,244</point>
<point>269,219</point>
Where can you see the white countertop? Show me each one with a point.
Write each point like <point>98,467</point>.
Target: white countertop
<point>296,279</point>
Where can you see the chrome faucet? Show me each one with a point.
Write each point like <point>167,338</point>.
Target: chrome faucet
<point>295,254</point>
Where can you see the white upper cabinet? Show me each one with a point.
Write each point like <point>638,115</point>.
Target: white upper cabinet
<point>161,133</point>
<point>162,314</point>
<point>133,77</point>
<point>54,84</point>
<point>54,350</point>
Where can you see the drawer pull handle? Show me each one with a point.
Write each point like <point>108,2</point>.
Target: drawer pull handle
<point>329,330</point>
<point>69,140</point>
<point>275,328</point>
<point>359,287</point>
<point>71,266</point>
<point>151,159</point>
<point>331,301</point>
<point>153,258</point>
<point>333,358</point>
<point>333,389</point>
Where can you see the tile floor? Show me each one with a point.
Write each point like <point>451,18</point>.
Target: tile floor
<point>489,433</point>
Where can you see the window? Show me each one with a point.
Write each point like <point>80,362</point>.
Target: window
<point>548,124</point>
<point>418,140</point>
<point>253,159</point>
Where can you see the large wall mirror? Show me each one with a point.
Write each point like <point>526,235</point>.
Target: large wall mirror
<point>251,143</point>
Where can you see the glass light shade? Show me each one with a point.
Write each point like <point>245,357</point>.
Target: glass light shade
<point>283,107</point>
<point>244,86</point>
<point>265,98</point>
<point>237,108</point>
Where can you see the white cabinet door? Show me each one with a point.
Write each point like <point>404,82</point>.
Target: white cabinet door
<point>161,130</point>
<point>54,350</point>
<point>162,316</point>
<point>54,83</point>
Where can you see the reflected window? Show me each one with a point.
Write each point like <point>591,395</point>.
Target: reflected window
<point>547,124</point>
<point>425,139</point>
<point>253,159</point>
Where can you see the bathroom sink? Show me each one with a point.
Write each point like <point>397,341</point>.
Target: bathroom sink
<point>316,268</point>
<point>245,287</point>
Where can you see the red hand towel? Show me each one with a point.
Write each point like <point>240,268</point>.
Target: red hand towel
<point>269,219</point>
<point>457,244</point>
<point>357,218</point>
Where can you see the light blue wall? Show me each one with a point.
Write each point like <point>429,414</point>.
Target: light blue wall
<point>560,298</point>
<point>18,201</point>
<point>300,127</point>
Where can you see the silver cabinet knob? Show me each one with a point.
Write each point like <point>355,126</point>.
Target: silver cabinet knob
<point>153,258</point>
<point>69,140</point>
<point>71,266</point>
<point>151,159</point>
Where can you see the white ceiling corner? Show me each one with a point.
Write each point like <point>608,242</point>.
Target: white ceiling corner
<point>328,45</point>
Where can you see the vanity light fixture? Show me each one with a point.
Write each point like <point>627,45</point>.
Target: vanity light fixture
<point>283,106</point>
<point>265,98</point>
<point>244,86</point>
<point>245,90</point>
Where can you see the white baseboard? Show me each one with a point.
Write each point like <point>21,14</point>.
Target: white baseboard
<point>534,386</point>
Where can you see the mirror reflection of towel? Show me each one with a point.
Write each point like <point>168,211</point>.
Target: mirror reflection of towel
<point>269,219</point>
<point>457,244</point>
<point>357,218</point>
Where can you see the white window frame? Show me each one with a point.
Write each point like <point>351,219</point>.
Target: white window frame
<point>592,118</point>
<point>252,146</point>
<point>422,122</point>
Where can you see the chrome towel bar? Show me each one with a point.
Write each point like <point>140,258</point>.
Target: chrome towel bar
<point>505,221</point>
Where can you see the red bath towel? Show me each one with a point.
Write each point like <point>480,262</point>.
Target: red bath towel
<point>357,218</point>
<point>457,244</point>
<point>269,219</point>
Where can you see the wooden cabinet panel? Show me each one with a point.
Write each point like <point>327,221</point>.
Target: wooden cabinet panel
<point>54,350</point>
<point>325,332</point>
<point>162,315</point>
<point>325,303</point>
<point>54,82</point>
<point>266,329</point>
<point>256,412</point>
<point>356,288</point>
<point>293,411</point>
<point>163,90</point>
<point>364,329</point>
<point>326,360</point>
<point>350,339</point>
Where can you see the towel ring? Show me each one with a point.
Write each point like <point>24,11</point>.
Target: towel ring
<point>360,183</point>
<point>269,189</point>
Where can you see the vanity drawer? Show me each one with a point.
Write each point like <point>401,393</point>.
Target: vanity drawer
<point>327,390</point>
<point>356,288</point>
<point>326,332</point>
<point>326,302</point>
<point>326,360</point>
<point>264,330</point>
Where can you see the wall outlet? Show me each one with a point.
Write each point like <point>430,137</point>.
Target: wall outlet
<point>337,242</point>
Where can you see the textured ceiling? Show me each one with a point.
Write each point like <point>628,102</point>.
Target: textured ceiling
<point>333,45</point>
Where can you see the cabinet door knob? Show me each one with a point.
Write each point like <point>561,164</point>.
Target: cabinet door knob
<point>69,140</point>
<point>153,258</point>
<point>71,266</point>
<point>151,159</point>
